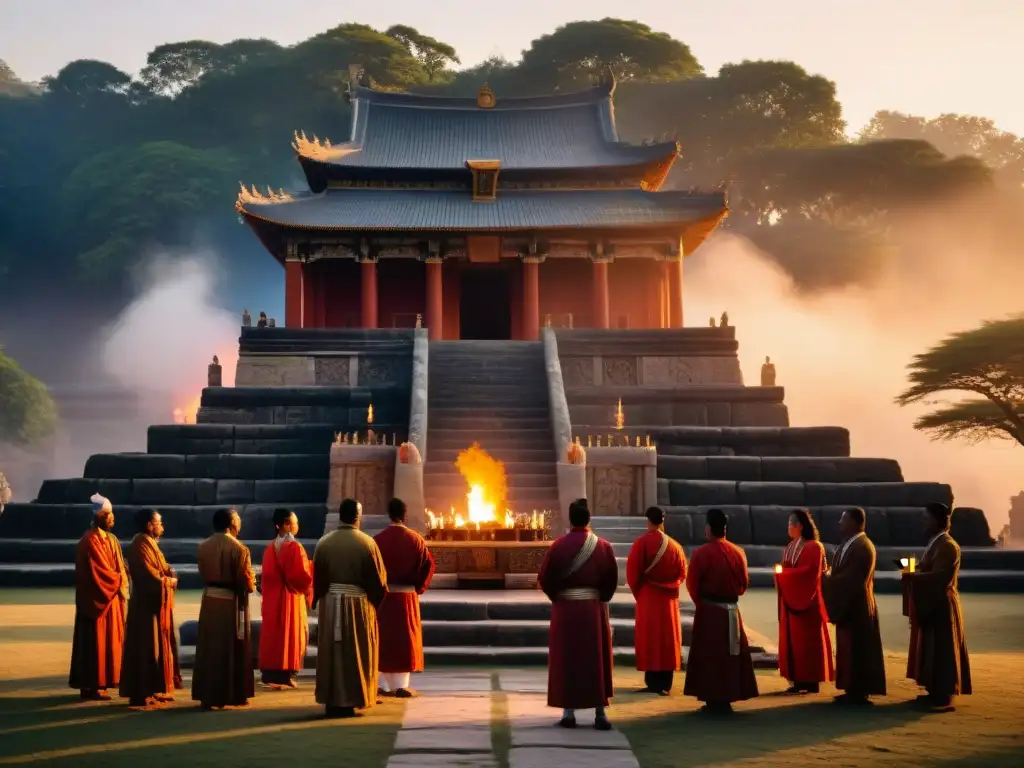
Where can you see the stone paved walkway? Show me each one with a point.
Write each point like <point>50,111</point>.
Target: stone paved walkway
<point>461,717</point>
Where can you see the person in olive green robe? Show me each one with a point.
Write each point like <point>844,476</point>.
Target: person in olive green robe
<point>223,674</point>
<point>349,583</point>
<point>938,660</point>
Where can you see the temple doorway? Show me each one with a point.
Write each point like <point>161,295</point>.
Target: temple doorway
<point>485,302</point>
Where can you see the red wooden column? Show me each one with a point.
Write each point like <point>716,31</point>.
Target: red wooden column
<point>599,285</point>
<point>369,292</point>
<point>531,297</point>
<point>435,294</point>
<point>293,294</point>
<point>675,292</point>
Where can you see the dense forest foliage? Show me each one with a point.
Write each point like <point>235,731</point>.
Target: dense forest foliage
<point>99,166</point>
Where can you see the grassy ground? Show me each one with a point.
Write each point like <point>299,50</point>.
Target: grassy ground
<point>40,721</point>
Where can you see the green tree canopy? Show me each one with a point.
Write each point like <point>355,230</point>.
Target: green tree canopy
<point>576,53</point>
<point>27,412</point>
<point>87,81</point>
<point>987,362</point>
<point>434,56</point>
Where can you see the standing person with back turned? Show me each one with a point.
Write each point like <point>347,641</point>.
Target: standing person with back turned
<point>286,585</point>
<point>719,670</point>
<point>579,575</point>
<point>223,675</point>
<point>805,649</point>
<point>849,592</point>
<point>101,597</point>
<point>655,570</point>
<point>938,659</point>
<point>150,673</point>
<point>409,566</point>
<point>349,583</point>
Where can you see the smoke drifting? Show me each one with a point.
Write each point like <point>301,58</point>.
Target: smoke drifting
<point>161,344</point>
<point>842,355</point>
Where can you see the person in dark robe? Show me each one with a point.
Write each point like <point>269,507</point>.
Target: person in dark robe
<point>101,601</point>
<point>805,649</point>
<point>719,670</point>
<point>579,575</point>
<point>286,584</point>
<point>849,592</point>
<point>349,584</point>
<point>655,570</point>
<point>410,567</point>
<point>223,673</point>
<point>938,660</point>
<point>150,673</point>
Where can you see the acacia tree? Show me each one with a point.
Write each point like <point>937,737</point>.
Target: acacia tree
<point>434,55</point>
<point>987,362</point>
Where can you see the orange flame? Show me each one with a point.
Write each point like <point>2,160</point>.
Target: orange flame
<point>487,482</point>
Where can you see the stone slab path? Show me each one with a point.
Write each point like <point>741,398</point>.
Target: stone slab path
<point>459,715</point>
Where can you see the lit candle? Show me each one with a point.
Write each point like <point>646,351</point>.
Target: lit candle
<point>369,414</point>
<point>778,568</point>
<point>908,564</point>
<point>620,417</point>
<point>541,521</point>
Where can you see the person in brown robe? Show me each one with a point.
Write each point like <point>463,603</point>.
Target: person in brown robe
<point>349,584</point>
<point>849,592</point>
<point>150,673</point>
<point>938,659</point>
<point>223,674</point>
<point>410,567</point>
<point>579,575</point>
<point>101,598</point>
<point>719,669</point>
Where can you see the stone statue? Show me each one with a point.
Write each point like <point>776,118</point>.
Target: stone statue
<point>246,319</point>
<point>1016,517</point>
<point>768,373</point>
<point>419,320</point>
<point>5,492</point>
<point>272,323</point>
<point>711,322</point>
<point>214,373</point>
<point>262,322</point>
<point>724,322</point>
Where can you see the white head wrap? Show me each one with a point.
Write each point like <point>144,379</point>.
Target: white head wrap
<point>100,503</point>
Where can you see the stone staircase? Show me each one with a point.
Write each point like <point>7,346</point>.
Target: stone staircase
<point>494,393</point>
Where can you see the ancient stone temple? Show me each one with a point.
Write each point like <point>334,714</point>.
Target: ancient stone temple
<point>484,217</point>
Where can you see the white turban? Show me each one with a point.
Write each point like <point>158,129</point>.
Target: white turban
<point>100,503</point>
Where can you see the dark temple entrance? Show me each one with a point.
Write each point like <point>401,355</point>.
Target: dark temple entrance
<point>485,302</point>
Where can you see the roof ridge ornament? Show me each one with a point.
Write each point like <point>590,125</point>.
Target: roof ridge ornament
<point>315,149</point>
<point>253,196</point>
<point>485,98</point>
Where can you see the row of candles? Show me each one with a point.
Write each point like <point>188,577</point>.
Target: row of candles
<point>453,519</point>
<point>612,441</point>
<point>372,438</point>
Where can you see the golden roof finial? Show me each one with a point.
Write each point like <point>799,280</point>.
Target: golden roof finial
<point>252,196</point>
<point>485,99</point>
<point>315,148</point>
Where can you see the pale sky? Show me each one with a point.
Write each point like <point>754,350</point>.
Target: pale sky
<point>919,56</point>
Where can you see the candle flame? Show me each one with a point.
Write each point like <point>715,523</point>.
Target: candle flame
<point>369,414</point>
<point>778,568</point>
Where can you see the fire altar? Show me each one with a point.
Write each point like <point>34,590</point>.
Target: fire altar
<point>478,547</point>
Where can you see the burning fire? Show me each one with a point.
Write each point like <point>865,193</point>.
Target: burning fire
<point>488,484</point>
<point>187,414</point>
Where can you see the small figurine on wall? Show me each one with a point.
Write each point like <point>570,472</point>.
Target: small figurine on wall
<point>724,322</point>
<point>262,322</point>
<point>711,322</point>
<point>246,319</point>
<point>214,373</point>
<point>768,373</point>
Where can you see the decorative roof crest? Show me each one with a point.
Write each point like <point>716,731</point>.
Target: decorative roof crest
<point>314,149</point>
<point>486,99</point>
<point>253,196</point>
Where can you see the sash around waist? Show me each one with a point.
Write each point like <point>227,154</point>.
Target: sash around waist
<point>579,593</point>
<point>220,593</point>
<point>346,590</point>
<point>405,588</point>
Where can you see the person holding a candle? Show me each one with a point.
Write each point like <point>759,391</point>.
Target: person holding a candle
<point>410,567</point>
<point>805,650</point>
<point>719,670</point>
<point>938,660</point>
<point>655,570</point>
<point>849,592</point>
<point>579,574</point>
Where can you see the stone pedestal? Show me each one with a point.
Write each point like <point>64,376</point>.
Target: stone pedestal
<point>621,481</point>
<point>365,473</point>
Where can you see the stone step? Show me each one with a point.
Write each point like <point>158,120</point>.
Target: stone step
<point>488,439</point>
<point>506,455</point>
<point>438,419</point>
<point>517,468</point>
<point>780,469</point>
<point>461,377</point>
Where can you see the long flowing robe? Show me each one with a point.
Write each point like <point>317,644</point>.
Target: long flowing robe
<point>655,570</point>
<point>151,645</point>
<point>805,649</point>
<point>348,645</point>
<point>719,669</point>
<point>287,588</point>
<point>101,596</point>
<point>223,673</point>
<point>849,592</point>
<point>580,637</point>
<point>410,567</point>
<point>938,660</point>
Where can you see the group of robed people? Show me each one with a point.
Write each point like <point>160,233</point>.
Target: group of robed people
<point>365,589</point>
<point>579,575</point>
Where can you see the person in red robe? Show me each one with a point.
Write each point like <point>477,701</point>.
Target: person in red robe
<point>286,584</point>
<point>410,567</point>
<point>805,649</point>
<point>579,575</point>
<point>655,570</point>
<point>719,670</point>
<point>101,603</point>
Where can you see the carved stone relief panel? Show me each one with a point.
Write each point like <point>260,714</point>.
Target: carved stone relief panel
<point>613,490</point>
<point>620,371</point>
<point>578,371</point>
<point>722,370</point>
<point>478,560</point>
<point>378,370</point>
<point>446,559</point>
<point>671,371</point>
<point>372,487</point>
<point>332,371</point>
<point>526,559</point>
<point>274,372</point>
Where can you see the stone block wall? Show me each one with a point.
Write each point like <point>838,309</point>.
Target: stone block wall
<point>593,408</point>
